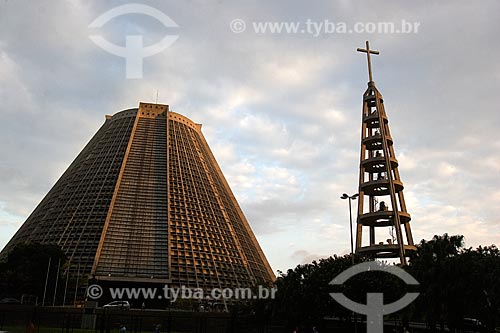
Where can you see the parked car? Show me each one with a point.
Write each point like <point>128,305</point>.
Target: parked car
<point>125,305</point>
<point>27,299</point>
<point>473,325</point>
<point>9,301</point>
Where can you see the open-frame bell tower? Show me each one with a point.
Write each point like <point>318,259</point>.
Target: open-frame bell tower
<point>383,223</point>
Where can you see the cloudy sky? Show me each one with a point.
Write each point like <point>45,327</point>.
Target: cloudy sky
<point>281,111</point>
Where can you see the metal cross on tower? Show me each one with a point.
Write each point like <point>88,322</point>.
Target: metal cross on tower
<point>368,52</point>
<point>381,204</point>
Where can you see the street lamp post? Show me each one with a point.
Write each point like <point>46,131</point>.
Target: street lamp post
<point>352,197</point>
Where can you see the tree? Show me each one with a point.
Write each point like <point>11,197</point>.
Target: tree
<point>25,270</point>
<point>455,283</point>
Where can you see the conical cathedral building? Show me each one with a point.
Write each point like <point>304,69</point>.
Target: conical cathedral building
<point>146,202</point>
